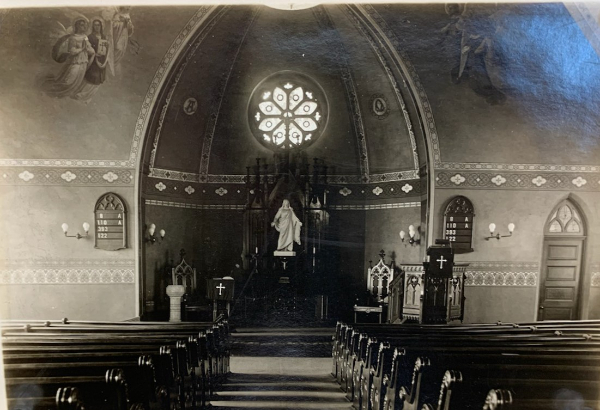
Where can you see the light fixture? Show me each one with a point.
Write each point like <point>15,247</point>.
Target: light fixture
<point>412,234</point>
<point>151,234</point>
<point>492,227</point>
<point>86,228</point>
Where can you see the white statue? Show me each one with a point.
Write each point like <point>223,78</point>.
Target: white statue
<point>288,225</point>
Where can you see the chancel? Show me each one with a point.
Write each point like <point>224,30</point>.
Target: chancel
<point>420,182</point>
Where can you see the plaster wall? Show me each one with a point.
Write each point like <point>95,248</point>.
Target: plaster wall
<point>44,273</point>
<point>529,211</point>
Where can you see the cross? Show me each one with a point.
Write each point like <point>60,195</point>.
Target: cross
<point>220,287</point>
<point>441,261</point>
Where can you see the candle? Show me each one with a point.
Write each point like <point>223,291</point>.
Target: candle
<point>256,250</point>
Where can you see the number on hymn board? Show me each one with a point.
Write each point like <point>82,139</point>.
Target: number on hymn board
<point>111,225</point>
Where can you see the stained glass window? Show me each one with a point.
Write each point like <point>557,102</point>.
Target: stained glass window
<point>287,110</point>
<point>565,219</point>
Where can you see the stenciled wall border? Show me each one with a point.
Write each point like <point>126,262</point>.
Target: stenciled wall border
<point>596,275</point>
<point>502,274</point>
<point>531,181</point>
<point>67,272</point>
<point>66,176</point>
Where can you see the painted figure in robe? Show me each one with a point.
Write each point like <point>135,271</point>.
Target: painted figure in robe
<point>74,50</point>
<point>96,72</point>
<point>288,225</point>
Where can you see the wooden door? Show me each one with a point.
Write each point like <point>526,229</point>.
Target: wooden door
<point>560,279</point>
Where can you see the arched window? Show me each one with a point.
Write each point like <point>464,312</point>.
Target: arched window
<point>565,220</point>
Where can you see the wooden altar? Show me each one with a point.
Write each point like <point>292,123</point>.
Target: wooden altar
<point>408,293</point>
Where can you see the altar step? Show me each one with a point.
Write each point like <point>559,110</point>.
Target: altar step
<point>282,342</point>
<point>280,383</point>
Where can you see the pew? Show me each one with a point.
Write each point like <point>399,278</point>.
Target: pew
<point>113,365</point>
<point>390,366</point>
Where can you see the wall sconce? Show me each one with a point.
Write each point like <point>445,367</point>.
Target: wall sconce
<point>412,232</point>
<point>151,237</point>
<point>492,226</point>
<point>86,228</point>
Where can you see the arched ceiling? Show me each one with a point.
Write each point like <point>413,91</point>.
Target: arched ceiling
<point>226,65</point>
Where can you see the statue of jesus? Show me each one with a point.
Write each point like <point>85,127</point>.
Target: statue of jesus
<point>288,225</point>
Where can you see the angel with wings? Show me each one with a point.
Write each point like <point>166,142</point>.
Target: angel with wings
<point>86,57</point>
<point>75,52</point>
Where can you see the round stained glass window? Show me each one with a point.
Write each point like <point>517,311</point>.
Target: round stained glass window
<point>287,110</point>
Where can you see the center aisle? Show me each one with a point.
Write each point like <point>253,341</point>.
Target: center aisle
<point>281,369</point>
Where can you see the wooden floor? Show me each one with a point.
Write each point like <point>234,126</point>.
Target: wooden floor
<point>281,369</point>
<point>281,383</point>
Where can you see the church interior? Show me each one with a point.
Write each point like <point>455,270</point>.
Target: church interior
<point>222,190</point>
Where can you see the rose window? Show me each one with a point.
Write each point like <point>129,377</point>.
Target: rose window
<point>287,110</point>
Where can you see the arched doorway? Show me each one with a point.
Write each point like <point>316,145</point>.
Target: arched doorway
<point>561,275</point>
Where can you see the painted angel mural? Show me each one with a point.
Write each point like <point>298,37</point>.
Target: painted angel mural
<point>86,51</point>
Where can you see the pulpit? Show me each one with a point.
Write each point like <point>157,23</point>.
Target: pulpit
<point>432,292</point>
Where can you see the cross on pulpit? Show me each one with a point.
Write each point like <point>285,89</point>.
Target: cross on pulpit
<point>441,261</point>
<point>220,287</point>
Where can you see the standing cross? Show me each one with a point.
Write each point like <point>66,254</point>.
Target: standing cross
<point>220,287</point>
<point>441,261</point>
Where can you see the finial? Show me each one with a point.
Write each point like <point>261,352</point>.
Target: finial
<point>382,254</point>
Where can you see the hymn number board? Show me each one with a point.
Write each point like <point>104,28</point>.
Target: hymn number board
<point>458,224</point>
<point>111,223</point>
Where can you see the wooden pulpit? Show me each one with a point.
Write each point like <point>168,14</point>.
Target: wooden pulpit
<point>429,293</point>
<point>220,291</point>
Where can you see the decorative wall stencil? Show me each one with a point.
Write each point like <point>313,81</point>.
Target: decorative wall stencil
<point>221,191</point>
<point>110,223</point>
<point>26,176</point>
<point>65,276</point>
<point>110,176</point>
<point>160,186</point>
<point>457,179</point>
<point>502,274</point>
<point>66,271</point>
<point>336,44</point>
<point>68,176</point>
<point>72,176</point>
<point>487,180</point>
<point>499,180</point>
<point>539,180</point>
<point>379,106</point>
<point>238,179</point>
<point>579,182</point>
<point>596,275</point>
<point>287,110</point>
<point>491,278</point>
<point>234,207</point>
<point>190,106</point>
<point>345,191</point>
<point>407,188</point>
<point>493,166</point>
<point>373,207</point>
<point>377,190</point>
<point>189,189</point>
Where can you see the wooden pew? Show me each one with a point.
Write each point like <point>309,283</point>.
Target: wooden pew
<point>376,377</point>
<point>182,354</point>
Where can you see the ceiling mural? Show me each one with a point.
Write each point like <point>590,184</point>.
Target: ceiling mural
<point>501,89</point>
